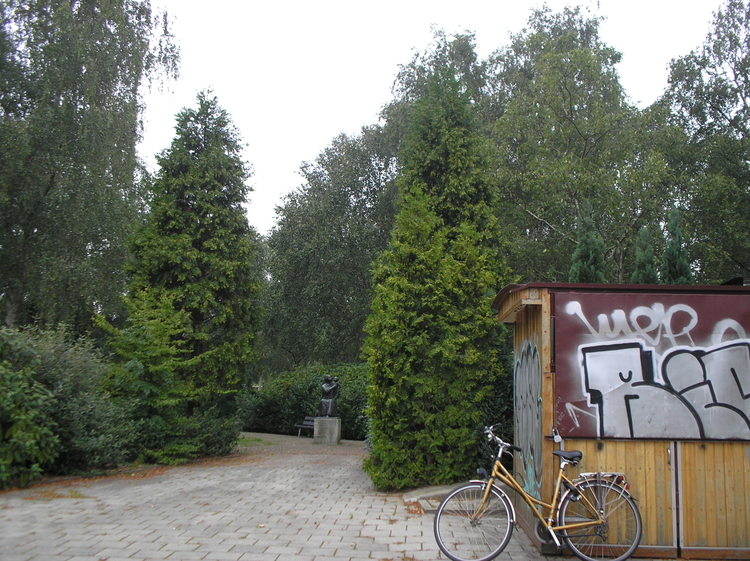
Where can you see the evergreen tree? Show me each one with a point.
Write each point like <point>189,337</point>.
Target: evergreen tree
<point>198,248</point>
<point>193,297</point>
<point>645,262</point>
<point>588,257</point>
<point>675,266</point>
<point>433,343</point>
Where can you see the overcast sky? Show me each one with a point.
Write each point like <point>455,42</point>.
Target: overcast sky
<point>293,74</point>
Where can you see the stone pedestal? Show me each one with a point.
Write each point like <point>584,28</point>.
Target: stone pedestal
<point>327,431</point>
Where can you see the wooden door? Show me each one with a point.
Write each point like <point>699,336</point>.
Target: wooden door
<point>714,484</point>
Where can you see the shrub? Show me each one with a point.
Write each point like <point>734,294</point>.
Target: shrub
<point>178,438</point>
<point>178,422</point>
<point>290,397</point>
<point>94,431</point>
<point>27,441</point>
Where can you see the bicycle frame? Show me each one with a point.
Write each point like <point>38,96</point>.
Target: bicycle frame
<point>500,472</point>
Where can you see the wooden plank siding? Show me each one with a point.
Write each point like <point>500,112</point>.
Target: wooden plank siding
<point>648,467</point>
<point>532,329</point>
<point>714,482</point>
<point>693,495</point>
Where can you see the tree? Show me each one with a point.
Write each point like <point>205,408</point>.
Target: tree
<point>645,262</point>
<point>328,234</point>
<point>459,52</point>
<point>588,257</point>
<point>193,305</point>
<point>432,340</point>
<point>197,248</point>
<point>567,135</point>
<point>150,376</point>
<point>71,73</point>
<point>675,264</point>
<point>709,94</point>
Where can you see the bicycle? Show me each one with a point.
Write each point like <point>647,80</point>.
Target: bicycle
<point>593,514</point>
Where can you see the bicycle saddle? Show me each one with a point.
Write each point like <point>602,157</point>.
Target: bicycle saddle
<point>569,455</point>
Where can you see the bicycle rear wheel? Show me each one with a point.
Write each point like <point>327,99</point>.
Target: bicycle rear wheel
<point>617,537</point>
<point>467,530</point>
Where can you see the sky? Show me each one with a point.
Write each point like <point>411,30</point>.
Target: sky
<point>294,74</point>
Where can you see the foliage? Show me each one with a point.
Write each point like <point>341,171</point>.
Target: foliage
<point>327,235</point>
<point>196,250</point>
<point>568,135</point>
<point>94,432</point>
<point>645,263</point>
<point>193,312</point>
<point>152,349</point>
<point>177,438</point>
<point>675,267</point>
<point>27,441</point>
<point>458,52</point>
<point>291,396</point>
<point>709,94</point>
<point>432,340</point>
<point>588,258</point>
<point>69,177</point>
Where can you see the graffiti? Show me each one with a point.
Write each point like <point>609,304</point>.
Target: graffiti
<point>528,415</point>
<point>698,393</point>
<point>650,323</point>
<point>654,323</point>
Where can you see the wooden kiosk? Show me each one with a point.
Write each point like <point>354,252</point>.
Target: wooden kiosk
<point>652,381</point>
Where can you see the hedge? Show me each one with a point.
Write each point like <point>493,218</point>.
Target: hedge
<point>290,397</point>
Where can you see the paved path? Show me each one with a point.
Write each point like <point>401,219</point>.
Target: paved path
<point>283,499</point>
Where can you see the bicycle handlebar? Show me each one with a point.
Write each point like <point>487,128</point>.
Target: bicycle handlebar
<point>489,431</point>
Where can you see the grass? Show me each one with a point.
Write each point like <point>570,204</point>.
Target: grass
<point>247,441</point>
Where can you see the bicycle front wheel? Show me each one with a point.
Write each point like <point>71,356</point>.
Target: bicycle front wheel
<point>617,537</point>
<point>466,529</point>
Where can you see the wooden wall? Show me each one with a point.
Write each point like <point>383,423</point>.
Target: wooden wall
<point>649,468</point>
<point>694,496</point>
<point>714,499</point>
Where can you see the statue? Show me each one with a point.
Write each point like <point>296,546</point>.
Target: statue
<point>331,388</point>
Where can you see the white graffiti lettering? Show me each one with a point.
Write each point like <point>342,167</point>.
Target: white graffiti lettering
<point>703,392</point>
<point>651,324</point>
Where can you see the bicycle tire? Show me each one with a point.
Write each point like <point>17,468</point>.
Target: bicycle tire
<point>462,537</point>
<point>617,538</point>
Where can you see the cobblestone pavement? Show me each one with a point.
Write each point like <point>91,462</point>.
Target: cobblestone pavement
<point>285,498</point>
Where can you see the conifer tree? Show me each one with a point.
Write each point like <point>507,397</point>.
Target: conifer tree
<point>192,300</point>
<point>645,262</point>
<point>197,248</point>
<point>588,258</point>
<point>675,266</point>
<point>433,343</point>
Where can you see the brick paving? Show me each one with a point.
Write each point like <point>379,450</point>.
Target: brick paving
<point>284,499</point>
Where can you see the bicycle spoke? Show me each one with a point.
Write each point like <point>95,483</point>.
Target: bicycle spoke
<point>616,537</point>
<point>468,530</point>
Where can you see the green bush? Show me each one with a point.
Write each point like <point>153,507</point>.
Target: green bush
<point>178,438</point>
<point>95,432</point>
<point>177,421</point>
<point>27,441</point>
<point>290,397</point>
